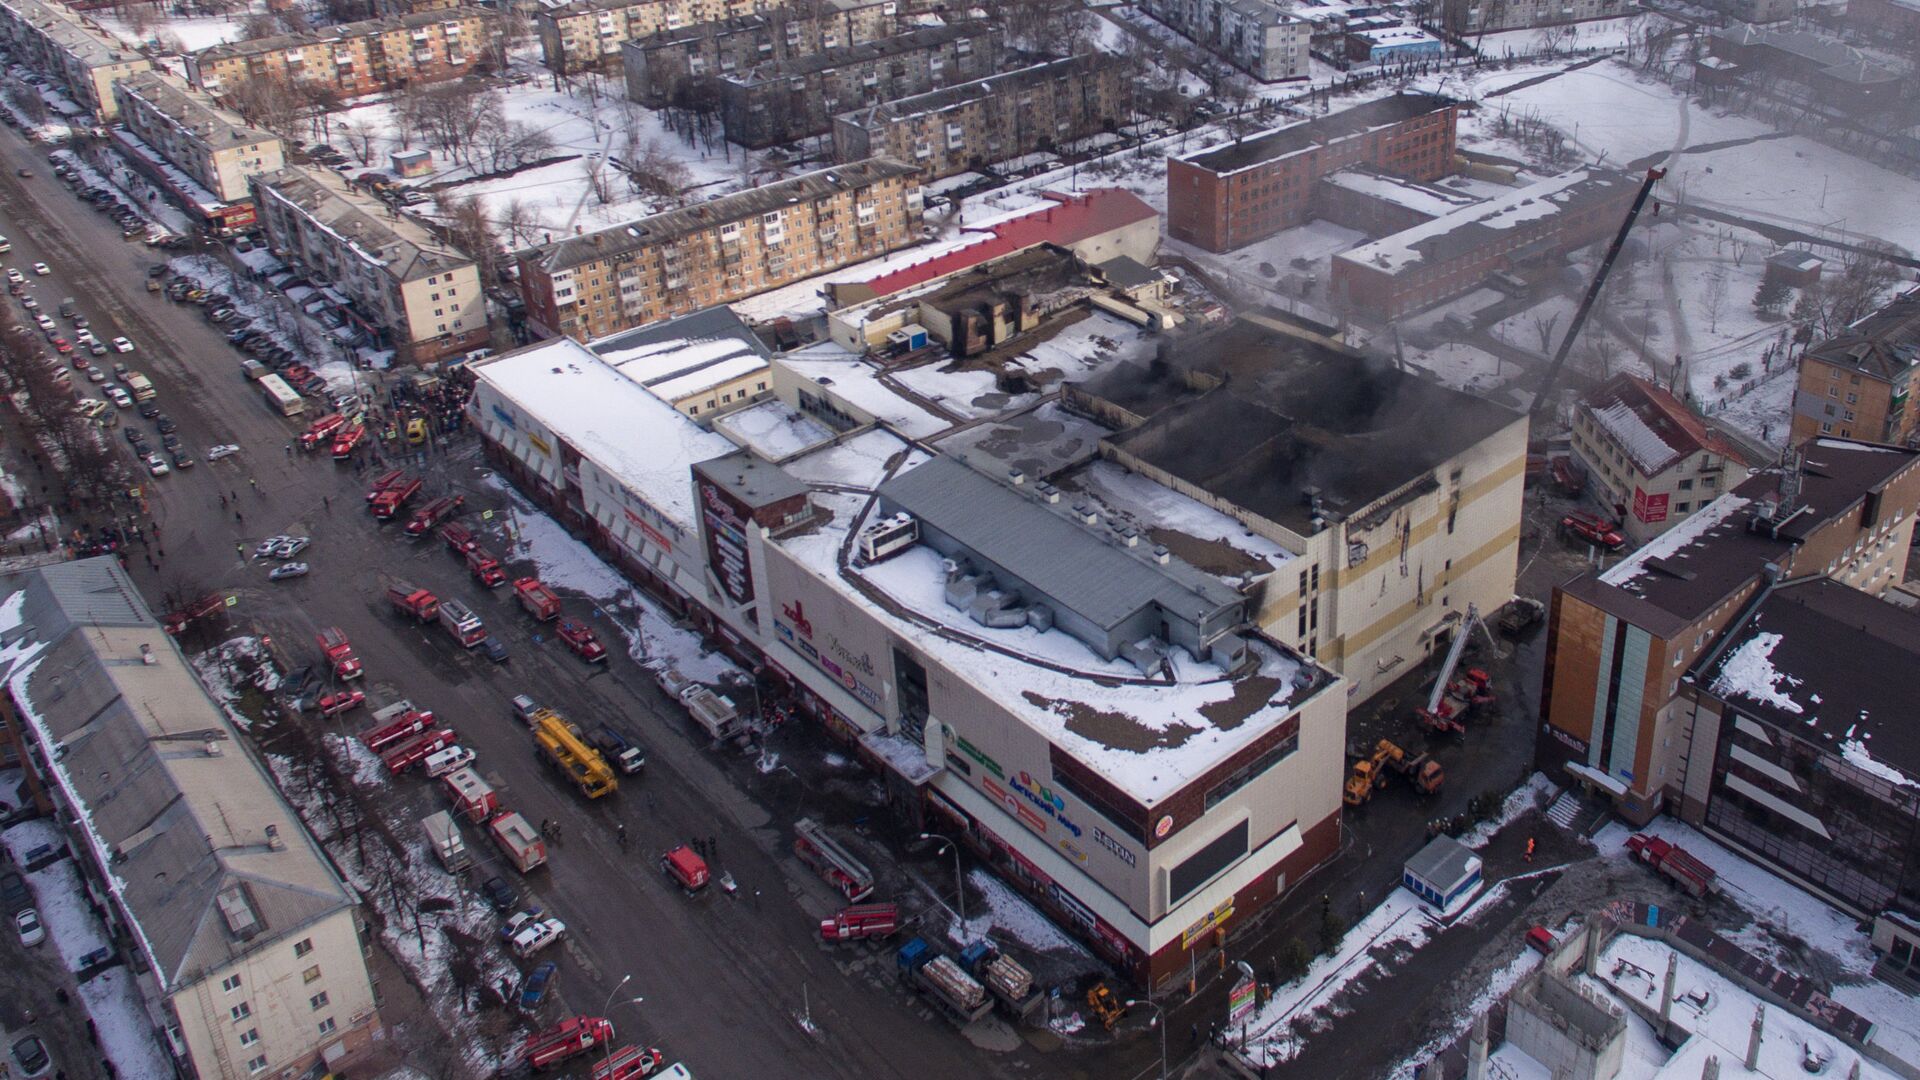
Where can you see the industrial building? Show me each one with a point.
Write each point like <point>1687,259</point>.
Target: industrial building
<point>1448,256</point>
<point>1619,640</point>
<point>658,67</point>
<point>1651,462</point>
<point>353,58</point>
<point>1858,384</point>
<point>1224,197</point>
<point>1399,44</point>
<point>1259,37</point>
<point>1837,74</point>
<point>56,39</point>
<point>680,261</point>
<point>779,101</point>
<point>211,154</point>
<point>238,934</point>
<point>973,124</point>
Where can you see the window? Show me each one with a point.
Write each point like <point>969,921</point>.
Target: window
<point>318,1001</point>
<point>310,974</point>
<point>230,983</point>
<point>436,296</point>
<point>441,312</point>
<point>249,1037</point>
<point>327,1026</point>
<point>1685,485</point>
<point>1251,771</point>
<point>302,947</point>
<point>241,1011</point>
<point>257,1065</point>
<point>1682,507</point>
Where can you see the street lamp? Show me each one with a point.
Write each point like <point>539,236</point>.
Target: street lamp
<point>607,1054</point>
<point>1159,1020</point>
<point>959,881</point>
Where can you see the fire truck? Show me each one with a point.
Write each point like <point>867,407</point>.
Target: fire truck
<point>176,622</point>
<point>582,640</point>
<point>484,567</point>
<point>394,723</point>
<point>567,1039</point>
<point>405,755</point>
<point>472,797</point>
<point>630,1063</point>
<point>347,438</point>
<point>382,482</point>
<point>332,705</point>
<point>562,747</point>
<point>413,600</point>
<point>539,600</point>
<point>333,642</point>
<point>462,623</point>
<point>831,861</point>
<point>459,538</point>
<point>395,495</point>
<point>321,430</point>
<point>435,512</point>
<point>518,841</point>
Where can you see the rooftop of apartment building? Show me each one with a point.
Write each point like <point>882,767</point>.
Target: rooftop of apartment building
<point>1655,429</point>
<point>1836,58</point>
<point>549,10</point>
<point>1672,581</point>
<point>862,52</point>
<point>1297,430</point>
<point>1474,228</point>
<point>947,97</point>
<point>1280,142</point>
<point>205,856</point>
<point>1393,35</point>
<point>684,356</point>
<point>1883,345</point>
<point>733,24</point>
<point>341,32</point>
<point>404,249</point>
<point>1265,12</point>
<point>75,33</point>
<point>665,227</point>
<point>1834,665</point>
<point>208,123</point>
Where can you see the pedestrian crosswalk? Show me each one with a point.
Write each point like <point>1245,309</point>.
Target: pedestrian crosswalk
<point>1565,809</point>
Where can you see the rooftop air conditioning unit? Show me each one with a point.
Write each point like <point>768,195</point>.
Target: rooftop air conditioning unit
<point>1087,514</point>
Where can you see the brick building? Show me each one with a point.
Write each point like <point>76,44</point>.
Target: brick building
<point>1856,385</point>
<point>780,101</point>
<point>1256,36</point>
<point>1651,461</point>
<point>1483,16</point>
<point>657,66</point>
<point>715,252</point>
<point>409,291</point>
<point>1451,255</point>
<point>57,40</point>
<point>1224,197</point>
<point>354,58</point>
<point>586,35</point>
<point>1620,640</point>
<point>963,127</point>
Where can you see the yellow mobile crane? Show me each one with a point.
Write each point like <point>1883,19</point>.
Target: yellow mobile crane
<point>561,746</point>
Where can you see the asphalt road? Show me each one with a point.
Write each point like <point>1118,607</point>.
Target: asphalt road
<point>723,977</point>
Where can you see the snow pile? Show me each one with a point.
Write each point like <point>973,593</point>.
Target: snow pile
<point>1670,544</point>
<point>1748,672</point>
<point>1855,751</point>
<point>1008,913</point>
<point>226,667</point>
<point>1530,795</point>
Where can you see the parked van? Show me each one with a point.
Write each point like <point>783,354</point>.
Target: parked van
<point>6,245</point>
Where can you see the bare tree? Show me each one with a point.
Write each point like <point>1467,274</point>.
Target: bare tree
<point>1714,299</point>
<point>1543,325</point>
<point>466,225</point>
<point>519,222</point>
<point>270,103</point>
<point>652,169</point>
<point>361,134</point>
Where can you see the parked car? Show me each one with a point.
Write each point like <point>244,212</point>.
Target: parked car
<point>291,546</point>
<point>539,981</point>
<point>28,923</point>
<point>157,465</point>
<point>14,895</point>
<point>30,1054</point>
<point>496,649</point>
<point>181,459</point>
<point>42,269</point>
<point>499,894</point>
<point>121,344</point>
<point>288,570</point>
<point>265,547</point>
<point>222,451</point>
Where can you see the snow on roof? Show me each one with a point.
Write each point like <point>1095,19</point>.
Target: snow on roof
<point>1673,543</point>
<point>859,462</point>
<point>1469,227</point>
<point>1430,199</point>
<point>1748,672</point>
<point>773,429</point>
<point>613,420</point>
<point>854,380</point>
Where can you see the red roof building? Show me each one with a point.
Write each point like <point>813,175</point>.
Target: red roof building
<point>1651,460</point>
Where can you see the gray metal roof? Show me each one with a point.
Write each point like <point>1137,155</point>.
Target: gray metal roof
<point>208,123</point>
<point>751,480</point>
<point>707,324</point>
<point>862,52</point>
<point>1443,862</point>
<point>87,592</point>
<point>948,97</point>
<point>1080,571</point>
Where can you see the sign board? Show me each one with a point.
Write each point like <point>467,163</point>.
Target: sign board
<point>1207,922</point>
<point>1241,1000</point>
<point>486,515</point>
<point>233,601</point>
<point>1649,508</point>
<point>726,519</point>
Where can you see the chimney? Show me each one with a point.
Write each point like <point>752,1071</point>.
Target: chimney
<point>274,843</point>
<point>1753,1039</point>
<point>1161,554</point>
<point>1666,998</point>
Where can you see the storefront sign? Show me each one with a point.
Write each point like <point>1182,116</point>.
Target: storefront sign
<point>1241,999</point>
<point>727,555</point>
<point>1649,508</point>
<point>1571,742</point>
<point>1043,799</point>
<point>653,535</point>
<point>1119,849</point>
<point>539,444</point>
<point>1212,919</point>
<point>505,417</point>
<point>844,665</point>
<point>979,755</point>
<point>1165,825</point>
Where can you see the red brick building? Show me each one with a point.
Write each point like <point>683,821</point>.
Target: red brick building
<point>1225,197</point>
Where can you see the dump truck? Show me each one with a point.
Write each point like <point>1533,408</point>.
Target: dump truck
<point>443,835</point>
<point>462,623</point>
<point>539,600</point>
<point>942,981</point>
<point>1674,861</point>
<point>1370,772</point>
<point>1011,985</point>
<point>831,861</point>
<point>711,711</point>
<point>472,797</point>
<point>388,503</point>
<point>339,652</point>
<point>484,567</point>
<point>404,755</point>
<point>428,517</point>
<point>520,842</point>
<point>561,746</point>
<point>413,600</point>
<point>618,747</point>
<point>580,637</point>
<point>321,430</point>
<point>567,1039</point>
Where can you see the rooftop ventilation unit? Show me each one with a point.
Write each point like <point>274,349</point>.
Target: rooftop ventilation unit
<point>1016,477</point>
<point>1047,492</point>
<point>1161,555</point>
<point>1086,514</point>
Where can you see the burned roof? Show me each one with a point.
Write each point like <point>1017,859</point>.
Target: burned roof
<point>1287,426</point>
<point>1884,345</point>
<point>1292,139</point>
<point>1653,427</point>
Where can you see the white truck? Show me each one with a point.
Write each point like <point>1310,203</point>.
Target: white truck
<point>448,844</point>
<point>711,711</point>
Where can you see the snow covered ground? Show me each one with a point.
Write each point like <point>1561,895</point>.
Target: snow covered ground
<point>1008,914</point>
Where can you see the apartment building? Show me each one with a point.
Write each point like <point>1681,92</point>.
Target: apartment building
<point>1257,36</point>
<point>781,101</point>
<point>1454,254</point>
<point>1650,460</point>
<point>1486,16</point>
<point>715,252</point>
<point>1620,640</point>
<point>410,292</point>
<point>964,127</point>
<point>196,136</point>
<point>1856,385</point>
<point>587,35</point>
<point>657,67</point>
<point>1227,196</point>
<point>243,943</point>
<point>58,40</point>
<point>354,58</point>
<point>385,9</point>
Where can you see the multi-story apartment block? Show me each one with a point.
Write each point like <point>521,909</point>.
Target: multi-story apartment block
<point>1649,459</point>
<point>354,58</point>
<point>410,292</point>
<point>715,252</point>
<point>1002,116</point>
<point>1620,641</point>
<point>241,940</point>
<point>781,101</point>
<point>1256,36</point>
<point>54,39</point>
<point>211,146</point>
<point>1227,196</point>
<point>1486,16</point>
<point>657,67</point>
<point>385,9</point>
<point>1453,254</point>
<point>586,35</point>
<point>1857,385</point>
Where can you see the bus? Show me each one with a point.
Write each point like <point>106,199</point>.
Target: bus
<point>281,397</point>
<point>141,386</point>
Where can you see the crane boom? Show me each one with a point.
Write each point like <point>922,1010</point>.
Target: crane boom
<point>1593,290</point>
<point>1453,657</point>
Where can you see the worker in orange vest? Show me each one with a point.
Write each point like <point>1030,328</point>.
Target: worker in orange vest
<point>1529,849</point>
